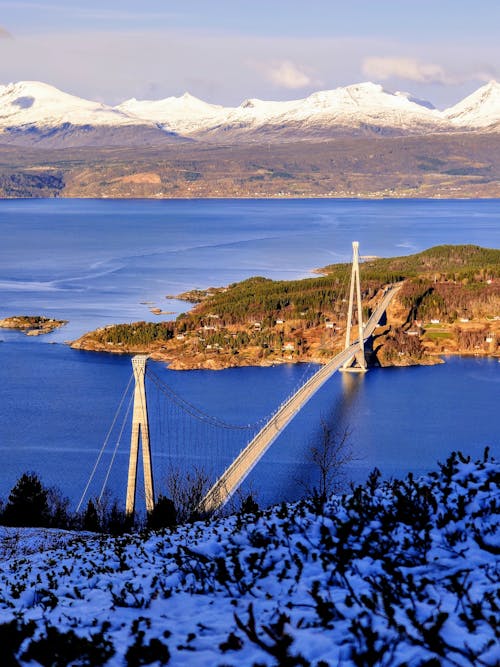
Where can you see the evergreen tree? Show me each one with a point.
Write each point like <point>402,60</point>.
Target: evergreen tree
<point>91,518</point>
<point>28,503</point>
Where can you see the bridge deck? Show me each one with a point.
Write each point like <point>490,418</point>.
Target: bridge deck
<point>229,481</point>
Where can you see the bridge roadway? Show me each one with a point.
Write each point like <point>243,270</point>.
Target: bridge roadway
<point>229,481</point>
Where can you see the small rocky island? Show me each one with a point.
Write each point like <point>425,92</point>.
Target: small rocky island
<point>32,325</point>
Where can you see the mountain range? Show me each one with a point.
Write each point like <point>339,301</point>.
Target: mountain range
<point>34,113</point>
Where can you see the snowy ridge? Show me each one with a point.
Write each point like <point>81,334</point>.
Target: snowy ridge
<point>479,110</point>
<point>353,106</point>
<point>396,573</point>
<point>184,115</point>
<point>359,106</point>
<point>364,108</point>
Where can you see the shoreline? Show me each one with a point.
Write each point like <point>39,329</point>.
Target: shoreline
<point>211,363</point>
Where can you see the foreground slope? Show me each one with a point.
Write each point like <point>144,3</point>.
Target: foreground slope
<point>401,573</point>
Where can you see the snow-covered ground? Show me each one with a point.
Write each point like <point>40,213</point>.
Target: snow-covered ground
<point>401,573</point>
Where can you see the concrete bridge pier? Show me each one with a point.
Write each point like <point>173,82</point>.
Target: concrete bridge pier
<point>357,363</point>
<point>140,431</point>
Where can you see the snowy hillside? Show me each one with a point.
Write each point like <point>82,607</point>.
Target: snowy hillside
<point>479,110</point>
<point>30,102</point>
<point>402,573</point>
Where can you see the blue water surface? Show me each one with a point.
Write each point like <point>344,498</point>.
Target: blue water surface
<point>99,262</point>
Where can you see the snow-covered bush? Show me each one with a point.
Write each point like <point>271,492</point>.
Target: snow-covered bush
<point>398,573</point>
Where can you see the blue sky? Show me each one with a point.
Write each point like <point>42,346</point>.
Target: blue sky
<point>225,51</point>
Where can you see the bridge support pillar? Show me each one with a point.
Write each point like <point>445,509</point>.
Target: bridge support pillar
<point>358,363</point>
<point>140,431</point>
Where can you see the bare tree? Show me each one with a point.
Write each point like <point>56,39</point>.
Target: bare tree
<point>329,456</point>
<point>186,490</point>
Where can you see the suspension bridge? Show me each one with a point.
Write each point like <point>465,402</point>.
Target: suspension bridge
<point>254,439</point>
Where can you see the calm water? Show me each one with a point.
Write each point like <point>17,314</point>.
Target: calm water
<point>97,262</point>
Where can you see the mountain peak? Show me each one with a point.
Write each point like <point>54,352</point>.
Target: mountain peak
<point>492,85</point>
<point>34,104</point>
<point>188,97</point>
<point>32,86</point>
<point>366,87</point>
<point>480,109</point>
<point>178,114</point>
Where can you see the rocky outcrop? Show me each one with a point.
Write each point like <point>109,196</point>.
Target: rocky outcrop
<point>32,325</point>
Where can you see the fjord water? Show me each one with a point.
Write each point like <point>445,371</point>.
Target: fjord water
<point>99,262</point>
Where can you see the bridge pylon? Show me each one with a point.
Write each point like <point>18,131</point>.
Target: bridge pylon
<point>140,431</point>
<point>357,363</point>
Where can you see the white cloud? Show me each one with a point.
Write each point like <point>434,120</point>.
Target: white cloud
<point>405,68</point>
<point>287,74</point>
<point>411,69</point>
<point>4,34</point>
<point>484,74</point>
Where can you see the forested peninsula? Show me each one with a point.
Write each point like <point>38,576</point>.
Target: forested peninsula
<point>449,303</point>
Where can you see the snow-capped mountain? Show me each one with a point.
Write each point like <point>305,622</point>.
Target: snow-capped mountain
<point>38,111</point>
<point>361,108</point>
<point>183,115</point>
<point>32,112</point>
<point>31,102</point>
<point>479,110</point>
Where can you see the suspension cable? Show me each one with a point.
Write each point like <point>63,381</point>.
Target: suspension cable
<point>101,452</point>
<point>115,450</point>
<point>193,410</point>
<point>203,416</point>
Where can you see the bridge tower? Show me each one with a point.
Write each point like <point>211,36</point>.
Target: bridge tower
<point>358,363</point>
<point>140,430</point>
